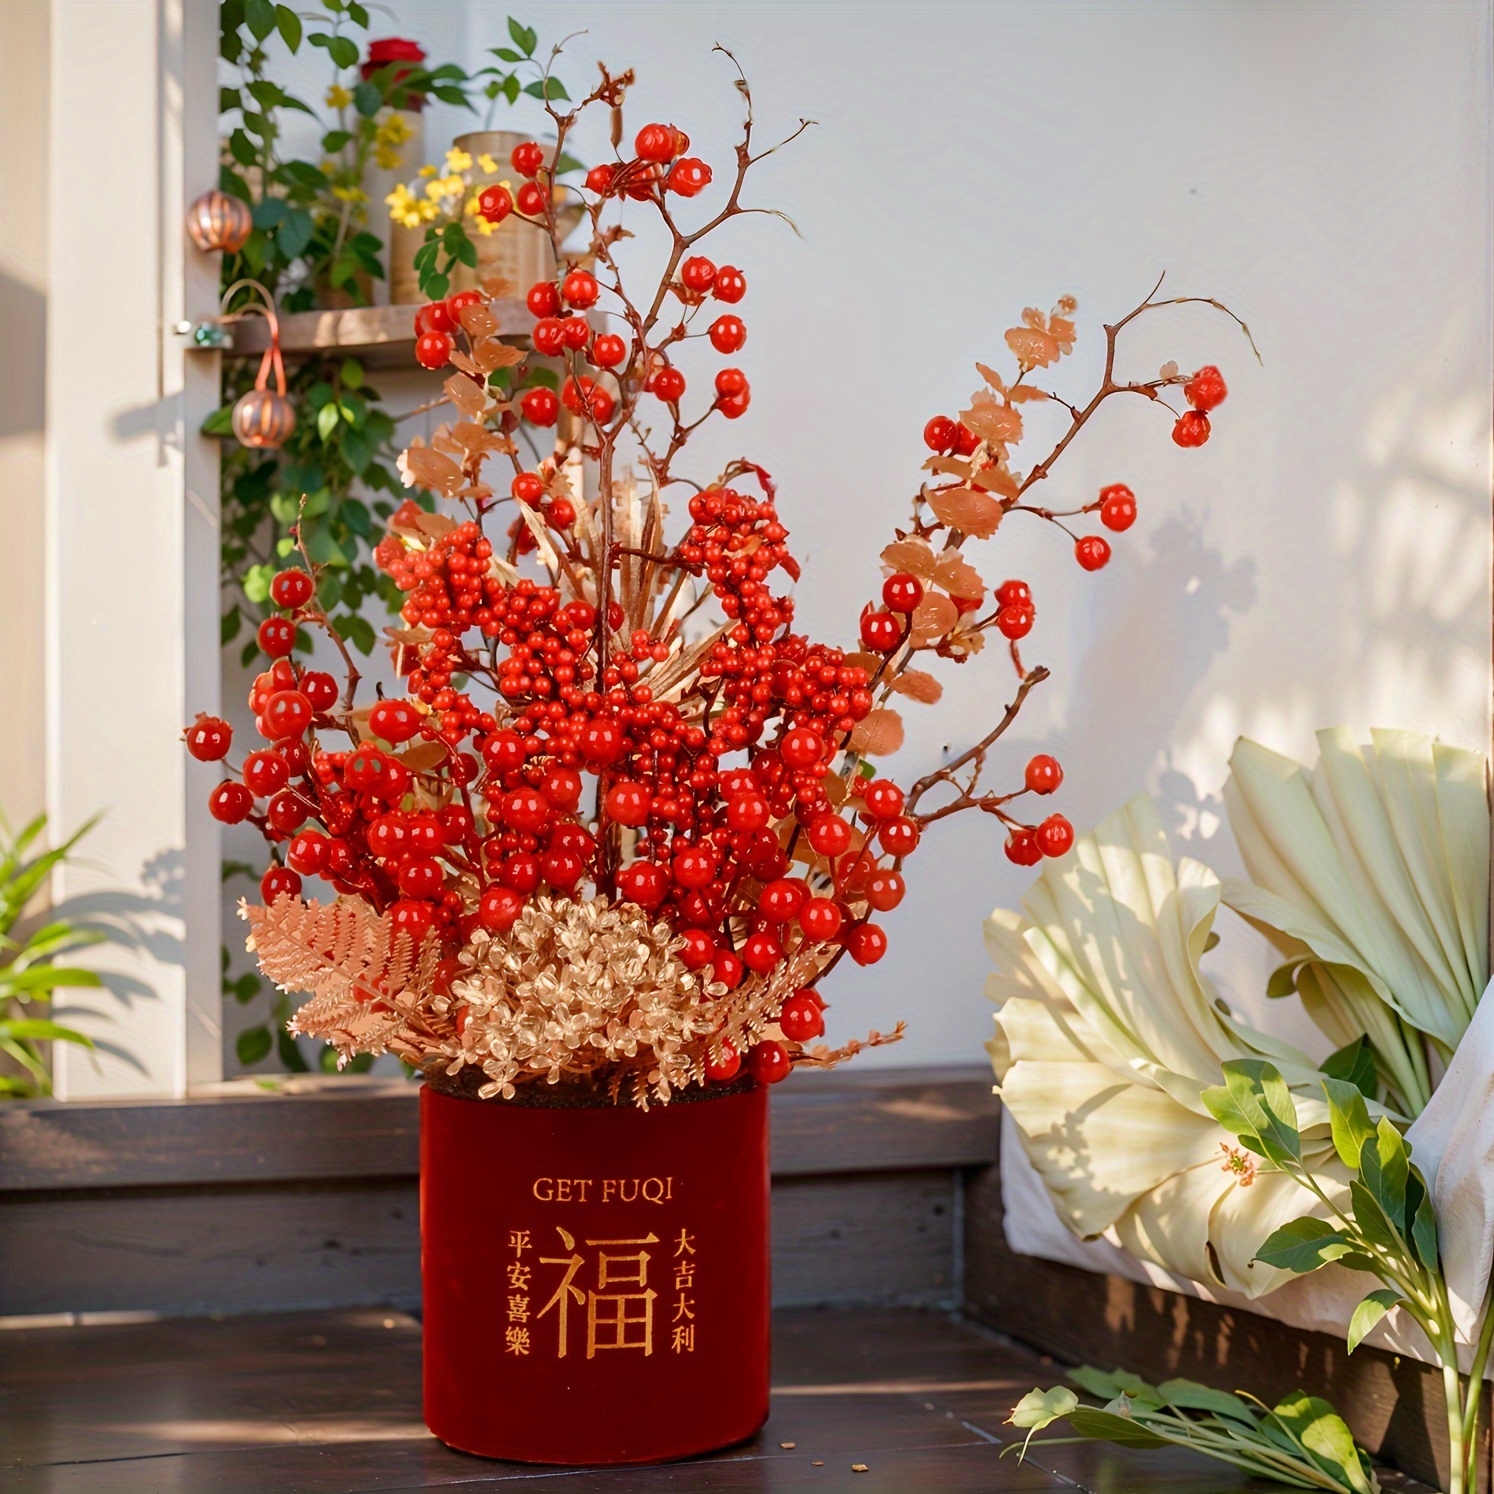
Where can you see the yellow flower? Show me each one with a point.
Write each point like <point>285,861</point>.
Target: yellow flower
<point>350,194</point>
<point>487,163</point>
<point>387,157</point>
<point>395,130</point>
<point>457,160</point>
<point>427,171</point>
<point>338,97</point>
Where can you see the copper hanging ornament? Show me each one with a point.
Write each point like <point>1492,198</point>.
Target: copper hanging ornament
<point>218,221</point>
<point>264,418</point>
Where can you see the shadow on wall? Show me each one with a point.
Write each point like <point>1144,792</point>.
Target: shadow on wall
<point>148,921</point>
<point>23,377</point>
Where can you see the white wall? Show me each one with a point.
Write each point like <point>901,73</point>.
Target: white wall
<point>1323,168</point>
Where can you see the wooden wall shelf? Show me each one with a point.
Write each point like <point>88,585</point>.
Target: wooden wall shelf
<point>380,336</point>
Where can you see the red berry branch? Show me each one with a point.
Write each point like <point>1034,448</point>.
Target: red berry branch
<point>575,726</point>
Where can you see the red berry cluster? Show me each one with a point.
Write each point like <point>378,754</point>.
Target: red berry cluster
<point>720,783</point>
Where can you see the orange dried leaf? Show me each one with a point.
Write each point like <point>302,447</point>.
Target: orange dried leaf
<point>1032,347</point>
<point>948,467</point>
<point>871,663</point>
<point>468,397</point>
<point>495,287</point>
<point>958,577</point>
<point>477,320</point>
<point>879,735</point>
<point>967,510</point>
<point>435,525</point>
<point>430,470</point>
<point>423,756</point>
<point>997,479</point>
<point>912,555</point>
<point>491,354</point>
<point>1020,394</point>
<point>992,421</point>
<point>991,377</point>
<point>934,617</point>
<point>918,685</point>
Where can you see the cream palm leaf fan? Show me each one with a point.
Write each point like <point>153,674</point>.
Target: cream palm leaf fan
<point>1370,872</point>
<point>1107,1035</point>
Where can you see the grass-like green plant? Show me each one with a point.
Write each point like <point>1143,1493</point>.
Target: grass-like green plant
<point>1301,1442</point>
<point>29,968</point>
<point>1383,1225</point>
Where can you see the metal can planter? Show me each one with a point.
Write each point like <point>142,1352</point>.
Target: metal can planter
<point>596,1276</point>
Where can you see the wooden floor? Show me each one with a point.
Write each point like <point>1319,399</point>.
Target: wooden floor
<point>329,1403</point>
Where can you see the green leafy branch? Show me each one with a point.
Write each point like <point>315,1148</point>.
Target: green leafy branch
<point>29,968</point>
<point>1301,1441</point>
<point>1385,1226</point>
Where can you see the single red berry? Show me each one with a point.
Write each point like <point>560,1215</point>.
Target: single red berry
<point>366,770</point>
<point>1117,507</point>
<point>688,177</point>
<point>320,689</point>
<point>209,738</point>
<point>726,1067</point>
<point>761,952</point>
<point>287,714</point>
<point>747,812</point>
<point>1010,593</point>
<point>965,439</point>
<point>495,203</point>
<point>727,969</point>
<point>528,158</point>
<point>580,289</point>
<point>866,944</point>
<point>286,812</point>
<point>829,835</point>
<point>1043,774</point>
<point>898,836</point>
<point>1092,552</point>
<point>1206,388</point>
<point>498,909</point>
<point>277,636</point>
<point>655,142</point>
<point>782,898</point>
<point>413,918</point>
<point>629,803</point>
<point>421,877</point>
<point>735,407</point>
<point>561,787</point>
<point>394,720</point>
<point>801,1020</point>
<point>731,383</point>
<point>291,589</point>
<point>548,336</point>
<point>885,890</point>
<point>576,332</point>
<point>265,773</point>
<point>435,317</point>
<point>609,350</point>
<point>521,872</point>
<point>562,868</point>
<point>728,333</point>
<point>880,632</point>
<point>802,748</point>
<point>1015,621</point>
<point>308,852</point>
<point>769,1062</point>
<point>543,299</point>
<point>526,810</point>
<point>820,919</point>
<point>643,883</point>
<point>730,285</point>
<point>669,385</point>
<point>695,868</point>
<point>1054,836</point>
<point>433,349</point>
<point>527,487</point>
<point>902,592</point>
<point>698,273</point>
<point>1022,848</point>
<point>698,949</point>
<point>540,406</point>
<point>459,301</point>
<point>561,513</point>
<point>230,802</point>
<point>1192,428</point>
<point>278,882</point>
<point>884,799</point>
<point>940,434</point>
<point>599,179</point>
<point>602,742</point>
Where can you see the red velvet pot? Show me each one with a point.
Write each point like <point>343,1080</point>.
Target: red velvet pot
<point>595,1276</point>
